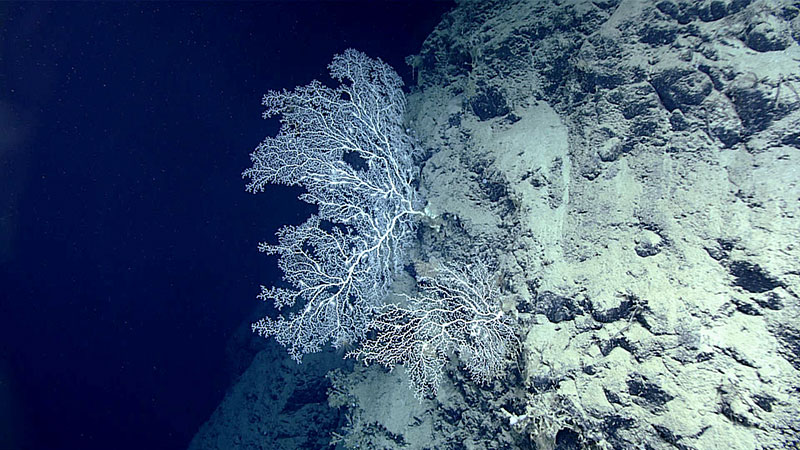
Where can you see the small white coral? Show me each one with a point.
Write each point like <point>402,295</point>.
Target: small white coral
<point>458,311</point>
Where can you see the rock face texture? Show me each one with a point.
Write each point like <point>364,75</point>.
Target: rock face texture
<point>634,168</point>
<point>635,165</point>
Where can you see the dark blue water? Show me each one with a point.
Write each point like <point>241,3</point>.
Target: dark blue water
<point>127,243</point>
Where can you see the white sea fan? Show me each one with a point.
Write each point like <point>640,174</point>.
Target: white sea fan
<point>457,312</point>
<point>350,151</point>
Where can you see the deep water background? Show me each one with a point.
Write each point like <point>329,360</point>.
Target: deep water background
<point>127,242</point>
